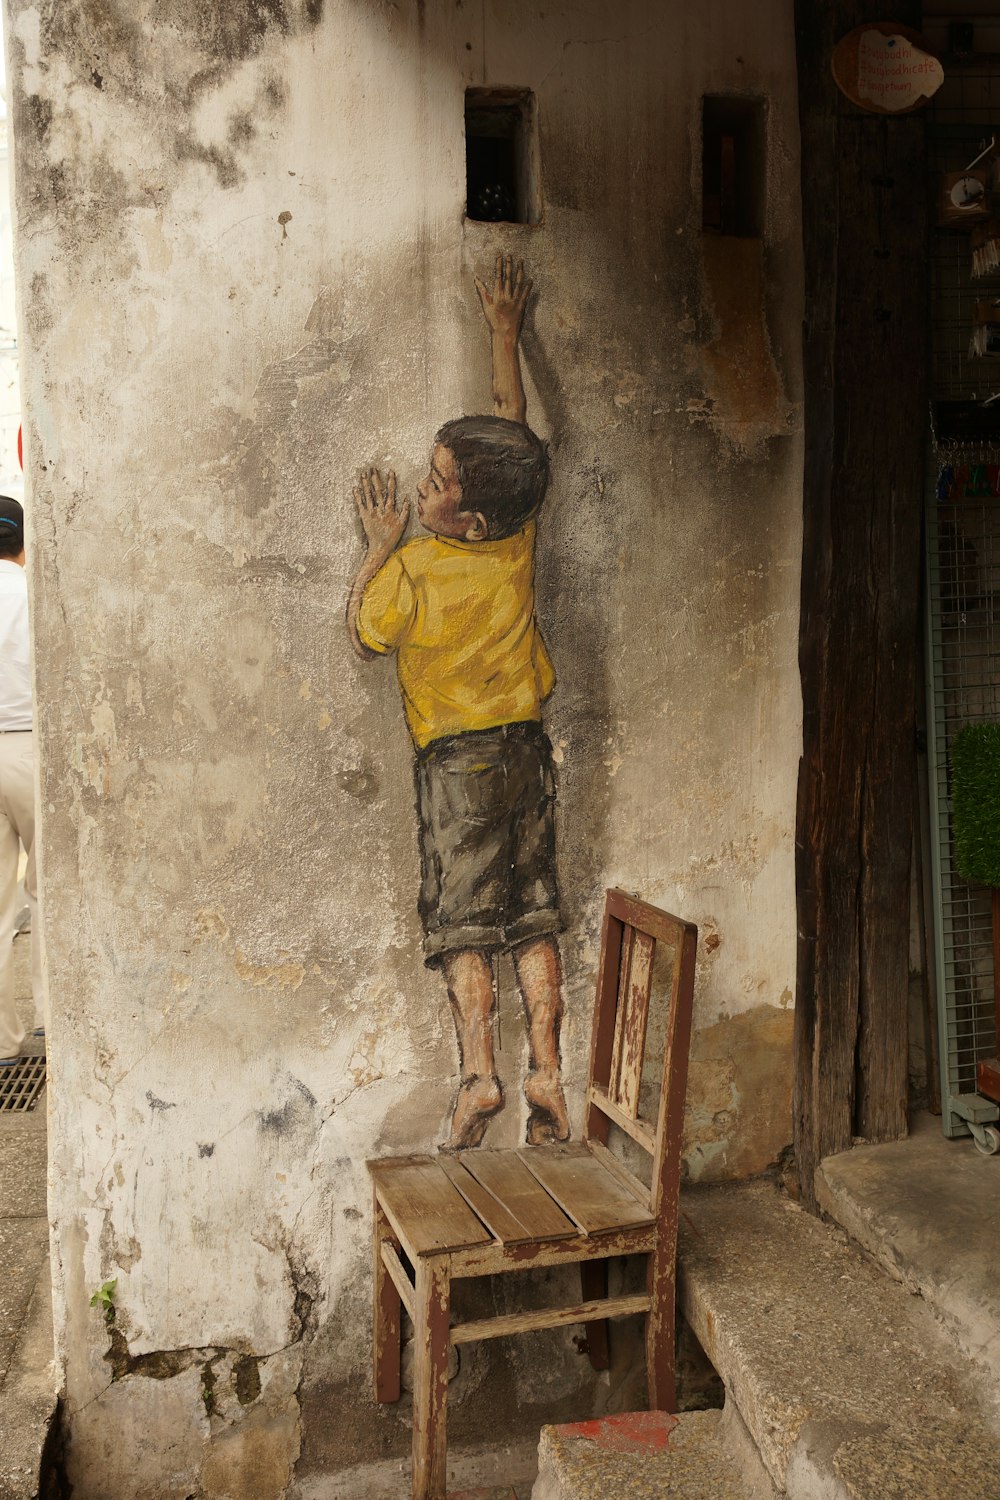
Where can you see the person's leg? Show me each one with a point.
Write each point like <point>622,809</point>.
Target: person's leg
<point>464,825</point>
<point>539,976</point>
<point>39,981</point>
<point>11,1030</point>
<point>19,794</point>
<point>469,976</point>
<point>532,923</point>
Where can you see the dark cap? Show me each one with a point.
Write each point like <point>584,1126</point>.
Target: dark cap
<point>11,516</point>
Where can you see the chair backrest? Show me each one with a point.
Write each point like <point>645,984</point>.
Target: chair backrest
<point>632,929</point>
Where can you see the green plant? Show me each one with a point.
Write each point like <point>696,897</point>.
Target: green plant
<point>104,1298</point>
<point>208,1388</point>
<point>975,784</point>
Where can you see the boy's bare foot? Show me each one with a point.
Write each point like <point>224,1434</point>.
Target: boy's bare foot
<point>547,1117</point>
<point>479,1099</point>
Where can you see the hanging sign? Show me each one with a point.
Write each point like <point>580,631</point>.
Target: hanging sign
<point>885,68</point>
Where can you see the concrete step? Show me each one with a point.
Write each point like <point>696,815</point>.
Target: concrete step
<point>503,1471</point>
<point>928,1210</point>
<point>28,1378</point>
<point>695,1456</point>
<point>28,1397</point>
<point>845,1381</point>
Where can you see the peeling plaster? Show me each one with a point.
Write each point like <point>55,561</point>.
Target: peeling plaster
<point>744,402</point>
<point>732,1078</point>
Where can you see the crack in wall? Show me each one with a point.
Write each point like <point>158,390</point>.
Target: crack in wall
<point>167,1364</point>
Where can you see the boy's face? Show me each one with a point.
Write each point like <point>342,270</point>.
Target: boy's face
<point>439,503</point>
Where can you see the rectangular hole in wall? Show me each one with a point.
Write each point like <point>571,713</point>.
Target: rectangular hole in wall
<point>733,165</point>
<point>501,156</point>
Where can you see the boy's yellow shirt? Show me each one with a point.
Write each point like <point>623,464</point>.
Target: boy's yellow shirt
<point>461,618</point>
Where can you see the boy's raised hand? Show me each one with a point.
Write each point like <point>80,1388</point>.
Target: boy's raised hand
<point>504,305</point>
<point>383,518</point>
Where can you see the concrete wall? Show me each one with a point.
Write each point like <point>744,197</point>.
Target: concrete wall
<point>244,271</point>
<point>11,478</point>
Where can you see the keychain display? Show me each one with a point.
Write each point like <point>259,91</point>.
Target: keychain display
<point>985,241</point>
<point>968,471</point>
<point>985,340</point>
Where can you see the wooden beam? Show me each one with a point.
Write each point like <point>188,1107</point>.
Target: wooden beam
<point>866,267</point>
<point>637,1129</point>
<point>399,1278</point>
<point>386,1346</point>
<point>551,1317</point>
<point>432,1300</point>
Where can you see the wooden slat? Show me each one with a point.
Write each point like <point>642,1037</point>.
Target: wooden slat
<point>428,1213</point>
<point>400,1280</point>
<point>659,924</point>
<point>629,1181</point>
<point>495,1259</point>
<point>554,1317</point>
<point>495,1215</point>
<point>637,1129</point>
<point>661,1266</point>
<point>605,1003</point>
<point>506,1177</point>
<point>624,978</point>
<point>670,1125</point>
<point>584,1189</point>
<point>632,1012</point>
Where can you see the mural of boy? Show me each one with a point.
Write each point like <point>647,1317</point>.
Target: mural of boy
<point>458,610</point>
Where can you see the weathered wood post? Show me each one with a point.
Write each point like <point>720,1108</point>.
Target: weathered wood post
<point>865,245</point>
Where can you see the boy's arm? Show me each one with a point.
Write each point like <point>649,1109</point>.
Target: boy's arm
<point>504,308</point>
<point>384,523</point>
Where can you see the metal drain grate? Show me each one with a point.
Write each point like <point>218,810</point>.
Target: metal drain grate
<point>21,1085</point>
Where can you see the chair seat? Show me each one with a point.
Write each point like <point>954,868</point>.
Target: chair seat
<point>474,1199</point>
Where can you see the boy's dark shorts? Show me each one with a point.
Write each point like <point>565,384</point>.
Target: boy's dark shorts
<point>486,802</point>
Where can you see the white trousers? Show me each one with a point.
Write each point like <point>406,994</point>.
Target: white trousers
<point>17,827</point>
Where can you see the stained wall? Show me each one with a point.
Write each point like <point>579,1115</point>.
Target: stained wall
<point>245,271</point>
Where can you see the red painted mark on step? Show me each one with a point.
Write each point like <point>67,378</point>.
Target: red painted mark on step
<point>628,1432</point>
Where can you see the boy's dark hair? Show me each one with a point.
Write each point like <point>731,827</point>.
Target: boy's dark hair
<point>503,469</point>
<point>11,528</point>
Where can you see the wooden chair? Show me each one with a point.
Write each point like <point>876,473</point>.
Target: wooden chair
<point>482,1212</point>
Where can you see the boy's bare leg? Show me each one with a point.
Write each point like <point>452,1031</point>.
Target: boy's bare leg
<point>539,976</point>
<point>469,976</point>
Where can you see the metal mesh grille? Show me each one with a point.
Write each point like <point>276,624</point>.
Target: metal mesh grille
<point>21,1085</point>
<point>963,568</point>
<point>964,574</point>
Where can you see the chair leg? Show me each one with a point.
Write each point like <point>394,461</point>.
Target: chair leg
<point>431,1346</point>
<point>594,1284</point>
<point>386,1333</point>
<point>661,1285</point>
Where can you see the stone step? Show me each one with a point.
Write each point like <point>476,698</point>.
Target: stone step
<point>845,1381</point>
<point>28,1377</point>
<point>28,1397</point>
<point>504,1471</point>
<point>694,1456</point>
<point>928,1210</point>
